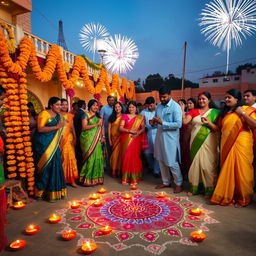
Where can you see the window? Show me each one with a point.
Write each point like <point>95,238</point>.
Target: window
<point>215,80</point>
<point>237,78</point>
<point>205,82</point>
<point>226,79</point>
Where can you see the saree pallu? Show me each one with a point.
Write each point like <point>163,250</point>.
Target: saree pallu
<point>204,155</point>
<point>115,159</point>
<point>69,163</point>
<point>3,208</point>
<point>50,180</point>
<point>92,170</point>
<point>131,150</point>
<point>235,182</point>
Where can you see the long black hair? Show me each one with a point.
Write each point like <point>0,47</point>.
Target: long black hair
<point>52,101</point>
<point>112,117</point>
<point>237,95</point>
<point>209,97</point>
<point>90,103</point>
<point>131,102</point>
<point>193,100</point>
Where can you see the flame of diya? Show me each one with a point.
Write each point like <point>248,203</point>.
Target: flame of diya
<point>198,236</point>
<point>88,247</point>
<point>69,235</point>
<point>54,218</point>
<point>32,229</point>
<point>17,245</point>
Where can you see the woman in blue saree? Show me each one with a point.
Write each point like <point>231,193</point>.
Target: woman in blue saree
<point>50,180</point>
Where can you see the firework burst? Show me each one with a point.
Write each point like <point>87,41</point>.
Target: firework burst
<point>90,34</point>
<point>226,22</point>
<point>121,54</point>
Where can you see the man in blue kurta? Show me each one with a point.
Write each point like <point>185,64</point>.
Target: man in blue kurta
<point>168,119</point>
<point>149,114</point>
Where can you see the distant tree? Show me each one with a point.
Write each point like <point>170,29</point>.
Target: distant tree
<point>244,66</point>
<point>138,86</point>
<point>153,82</point>
<point>217,73</point>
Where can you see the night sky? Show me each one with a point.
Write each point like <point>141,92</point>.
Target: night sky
<point>158,27</point>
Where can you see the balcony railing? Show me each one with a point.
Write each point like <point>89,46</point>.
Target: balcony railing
<point>42,48</point>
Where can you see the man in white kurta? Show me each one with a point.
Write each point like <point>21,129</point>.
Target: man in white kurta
<point>168,118</point>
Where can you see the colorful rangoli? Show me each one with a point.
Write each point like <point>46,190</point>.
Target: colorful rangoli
<point>145,220</point>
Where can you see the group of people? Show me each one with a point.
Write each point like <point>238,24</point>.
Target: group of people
<point>194,140</point>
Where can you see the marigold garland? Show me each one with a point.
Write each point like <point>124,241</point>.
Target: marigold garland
<point>18,145</point>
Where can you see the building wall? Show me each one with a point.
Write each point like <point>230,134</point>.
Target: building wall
<point>24,21</point>
<point>26,4</point>
<point>5,15</point>
<point>217,93</point>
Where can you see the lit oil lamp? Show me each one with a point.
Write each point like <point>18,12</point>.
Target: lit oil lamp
<point>198,236</point>
<point>32,229</point>
<point>17,245</point>
<point>54,218</point>
<point>75,205</point>
<point>97,203</point>
<point>88,247</point>
<point>106,230</point>
<point>127,196</point>
<point>161,195</point>
<point>102,191</point>
<point>69,235</point>
<point>195,212</point>
<point>133,187</point>
<point>18,205</point>
<point>94,196</point>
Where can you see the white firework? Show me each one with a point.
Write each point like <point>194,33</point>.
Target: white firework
<point>121,54</point>
<point>226,22</point>
<point>90,34</point>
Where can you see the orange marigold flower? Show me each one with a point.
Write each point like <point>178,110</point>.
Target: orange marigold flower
<point>10,157</point>
<point>10,146</point>
<point>10,152</point>
<point>28,149</point>
<point>29,153</point>
<point>22,164</point>
<point>20,152</point>
<point>20,158</point>
<point>23,175</point>
<point>22,169</point>
<point>11,162</point>
<point>17,129</point>
<point>19,140</point>
<point>31,188</point>
<point>31,174</point>
<point>9,140</point>
<point>30,165</point>
<point>17,134</point>
<point>28,143</point>
<point>25,128</point>
<point>26,138</point>
<point>9,129</point>
<point>12,168</point>
<point>13,175</point>
<point>31,183</point>
<point>25,133</point>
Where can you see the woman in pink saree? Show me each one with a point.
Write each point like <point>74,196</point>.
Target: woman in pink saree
<point>132,141</point>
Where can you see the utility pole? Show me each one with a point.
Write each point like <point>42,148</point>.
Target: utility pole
<point>183,70</point>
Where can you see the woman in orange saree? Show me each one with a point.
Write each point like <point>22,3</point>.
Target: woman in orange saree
<point>67,145</point>
<point>235,183</point>
<point>114,139</point>
<point>132,141</point>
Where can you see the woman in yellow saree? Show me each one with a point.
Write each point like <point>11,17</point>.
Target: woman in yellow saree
<point>203,145</point>
<point>114,139</point>
<point>67,145</point>
<point>50,181</point>
<point>235,183</point>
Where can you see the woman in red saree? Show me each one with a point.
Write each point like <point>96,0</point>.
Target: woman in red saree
<point>132,141</point>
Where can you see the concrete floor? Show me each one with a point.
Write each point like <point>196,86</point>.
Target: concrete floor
<point>234,235</point>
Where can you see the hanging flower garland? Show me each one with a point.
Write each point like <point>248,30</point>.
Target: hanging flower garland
<point>10,40</point>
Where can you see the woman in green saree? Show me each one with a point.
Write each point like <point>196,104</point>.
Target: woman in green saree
<point>50,181</point>
<point>203,145</point>
<point>90,141</point>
